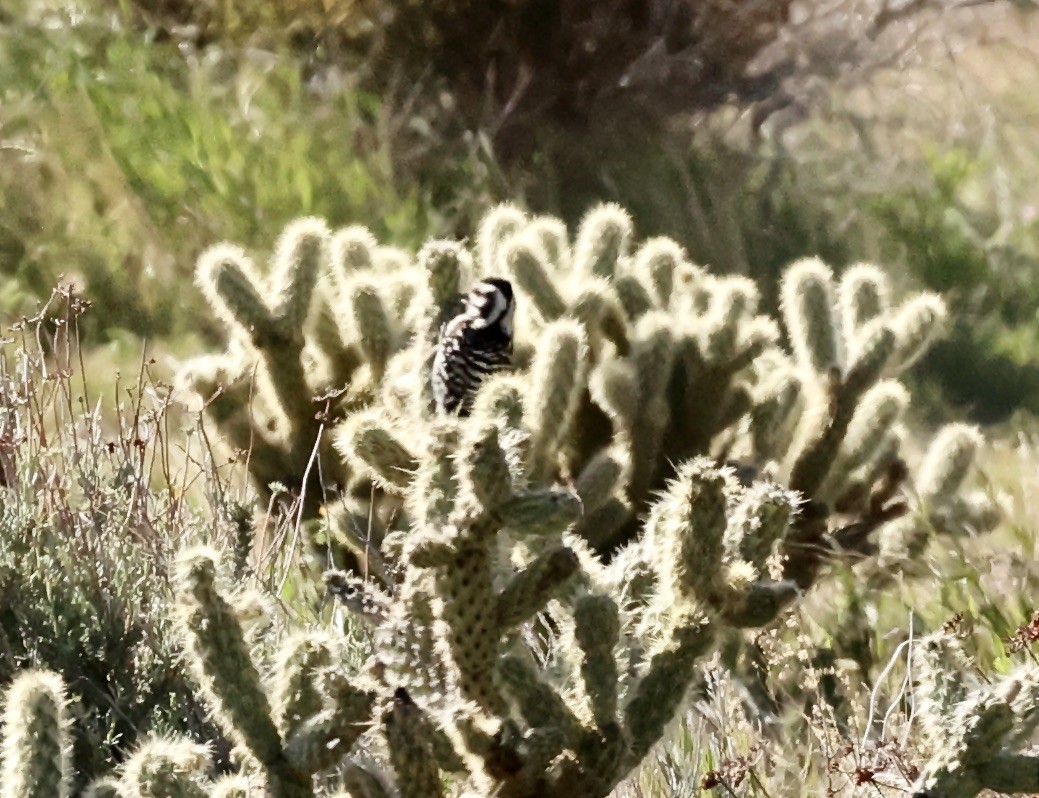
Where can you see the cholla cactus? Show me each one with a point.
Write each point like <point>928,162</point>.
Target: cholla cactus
<point>231,787</point>
<point>36,752</point>
<point>310,337</point>
<point>678,363</point>
<point>944,504</point>
<point>106,788</point>
<point>489,549</point>
<point>161,768</point>
<point>36,738</point>
<point>266,316</point>
<point>659,473</point>
<point>973,728</point>
<point>320,711</point>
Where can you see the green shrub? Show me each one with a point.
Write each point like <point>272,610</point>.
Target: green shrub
<point>983,263</point>
<point>91,512</point>
<point>124,156</point>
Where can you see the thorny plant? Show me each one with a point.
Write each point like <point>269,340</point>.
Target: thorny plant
<point>545,581</point>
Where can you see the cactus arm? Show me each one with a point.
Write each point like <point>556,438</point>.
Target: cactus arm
<point>35,753</point>
<point>530,589</point>
<point>660,691</point>
<point>411,755</point>
<point>597,631</point>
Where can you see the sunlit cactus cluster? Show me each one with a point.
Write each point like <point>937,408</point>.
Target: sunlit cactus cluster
<point>977,732</point>
<point>664,465</point>
<point>308,338</point>
<point>673,363</point>
<point>36,743</point>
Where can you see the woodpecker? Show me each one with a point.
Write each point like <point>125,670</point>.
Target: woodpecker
<point>472,345</point>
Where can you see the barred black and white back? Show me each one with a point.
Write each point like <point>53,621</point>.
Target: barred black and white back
<point>474,344</point>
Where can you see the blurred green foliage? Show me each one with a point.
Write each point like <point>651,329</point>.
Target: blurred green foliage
<point>927,221</point>
<point>122,158</point>
<point>986,267</point>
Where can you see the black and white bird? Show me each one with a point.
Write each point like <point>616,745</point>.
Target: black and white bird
<point>474,344</point>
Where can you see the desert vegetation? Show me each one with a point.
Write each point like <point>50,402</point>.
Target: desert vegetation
<point>751,512</point>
